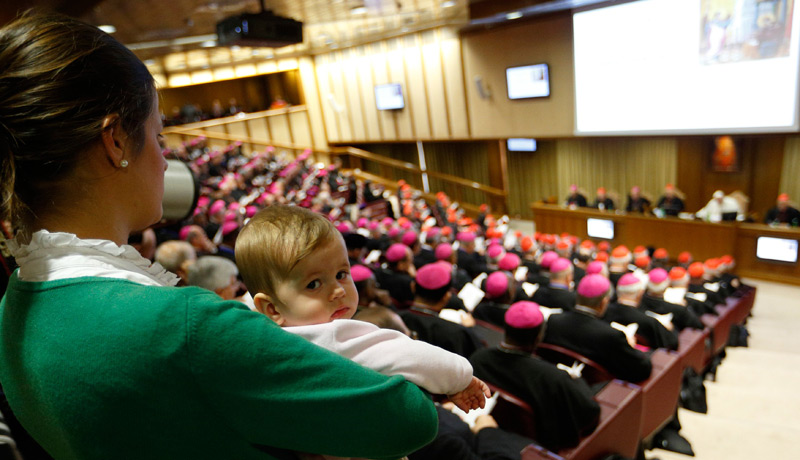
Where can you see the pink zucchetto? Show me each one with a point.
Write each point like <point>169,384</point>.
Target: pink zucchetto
<point>595,268</point>
<point>251,211</point>
<point>231,216</point>
<point>433,276</point>
<point>387,221</point>
<point>406,224</point>
<point>509,262</point>
<point>443,251</point>
<point>374,225</point>
<point>229,227</point>
<point>203,201</point>
<point>593,286</point>
<point>496,284</point>
<point>217,207</point>
<point>343,227</point>
<point>393,232</point>
<point>433,232</point>
<point>184,232</point>
<point>409,238</point>
<point>629,283</point>
<point>547,259</point>
<point>524,315</point>
<point>559,265</point>
<point>362,222</point>
<point>360,273</point>
<point>396,252</point>
<point>465,237</point>
<point>495,251</point>
<point>659,280</point>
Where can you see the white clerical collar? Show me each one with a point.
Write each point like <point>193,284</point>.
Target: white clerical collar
<point>587,310</point>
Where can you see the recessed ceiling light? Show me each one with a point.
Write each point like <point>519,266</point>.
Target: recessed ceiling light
<point>513,15</point>
<point>448,4</point>
<point>359,10</point>
<point>209,44</point>
<point>107,28</point>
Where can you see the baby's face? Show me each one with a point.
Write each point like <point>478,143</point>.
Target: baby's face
<point>319,289</point>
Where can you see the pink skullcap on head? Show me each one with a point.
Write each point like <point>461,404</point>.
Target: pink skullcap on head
<point>443,251</point>
<point>628,279</point>
<point>559,265</point>
<point>593,286</point>
<point>524,315</point>
<point>658,276</point>
<point>229,227</point>
<point>433,232</point>
<point>396,252</point>
<point>433,276</point>
<point>387,221</point>
<point>184,232</point>
<point>406,224</point>
<point>409,238</point>
<point>509,262</point>
<point>362,222</point>
<point>360,273</point>
<point>548,258</point>
<point>494,251</point>
<point>343,227</point>
<point>393,232</point>
<point>595,268</point>
<point>234,206</point>
<point>374,225</point>
<point>465,236</point>
<point>496,284</point>
<point>217,206</point>
<point>203,201</point>
<point>573,188</point>
<point>230,216</point>
<point>251,211</point>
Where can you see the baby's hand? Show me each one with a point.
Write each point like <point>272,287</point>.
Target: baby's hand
<point>472,397</point>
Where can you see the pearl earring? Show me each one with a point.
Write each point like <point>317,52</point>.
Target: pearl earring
<point>123,164</point>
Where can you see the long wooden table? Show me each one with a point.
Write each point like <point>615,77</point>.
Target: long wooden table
<point>703,239</point>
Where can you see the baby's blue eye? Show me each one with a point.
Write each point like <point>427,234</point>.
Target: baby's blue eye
<point>342,275</point>
<point>314,284</point>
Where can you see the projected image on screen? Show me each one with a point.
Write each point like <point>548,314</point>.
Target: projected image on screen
<point>687,67</point>
<point>740,30</point>
<point>600,228</point>
<point>777,249</point>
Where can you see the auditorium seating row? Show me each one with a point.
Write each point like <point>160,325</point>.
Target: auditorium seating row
<point>630,415</point>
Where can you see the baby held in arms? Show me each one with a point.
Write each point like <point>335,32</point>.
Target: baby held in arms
<point>295,265</point>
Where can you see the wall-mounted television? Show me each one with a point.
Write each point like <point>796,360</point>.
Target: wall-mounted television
<point>519,144</point>
<point>776,249</point>
<point>389,96</point>
<point>528,81</point>
<point>600,228</point>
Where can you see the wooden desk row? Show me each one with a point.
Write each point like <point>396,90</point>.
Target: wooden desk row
<point>703,239</point>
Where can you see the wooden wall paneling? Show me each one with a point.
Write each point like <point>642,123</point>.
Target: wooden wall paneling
<point>380,75</point>
<point>434,81</point>
<point>691,171</point>
<point>454,83</point>
<point>790,173</point>
<point>532,177</point>
<point>279,127</point>
<point>498,176</point>
<point>313,102</point>
<point>397,75</point>
<point>372,125</point>
<point>353,92</point>
<point>767,166</point>
<point>416,93</point>
<point>239,129</point>
<point>469,160</point>
<point>322,64</point>
<point>747,264</point>
<point>259,128</point>
<point>344,117</point>
<point>217,144</point>
<point>488,53</point>
<point>301,131</point>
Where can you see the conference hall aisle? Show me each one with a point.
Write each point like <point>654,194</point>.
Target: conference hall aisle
<point>754,406</point>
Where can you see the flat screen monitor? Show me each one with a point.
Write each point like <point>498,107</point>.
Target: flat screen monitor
<point>528,81</point>
<point>776,249</point>
<point>518,144</point>
<point>687,67</point>
<point>600,228</point>
<point>389,96</point>
<point>729,216</point>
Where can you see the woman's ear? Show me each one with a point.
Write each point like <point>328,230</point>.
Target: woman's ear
<point>266,306</point>
<point>113,140</point>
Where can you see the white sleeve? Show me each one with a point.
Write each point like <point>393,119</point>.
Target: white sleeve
<point>391,353</point>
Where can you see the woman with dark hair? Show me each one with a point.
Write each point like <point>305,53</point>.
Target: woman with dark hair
<point>100,356</point>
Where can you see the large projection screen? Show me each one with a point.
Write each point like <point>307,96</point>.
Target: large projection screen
<point>687,67</point>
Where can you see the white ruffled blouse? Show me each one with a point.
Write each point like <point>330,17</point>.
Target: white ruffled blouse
<point>56,256</point>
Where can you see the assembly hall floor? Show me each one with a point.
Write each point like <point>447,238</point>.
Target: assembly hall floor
<point>754,405</point>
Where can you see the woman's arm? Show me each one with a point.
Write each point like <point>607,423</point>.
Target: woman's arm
<point>280,390</point>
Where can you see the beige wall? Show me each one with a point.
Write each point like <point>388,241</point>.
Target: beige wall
<point>488,53</point>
